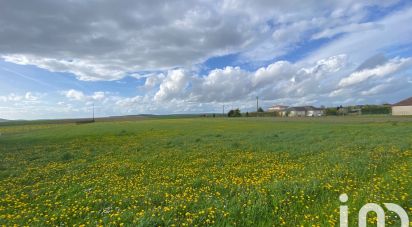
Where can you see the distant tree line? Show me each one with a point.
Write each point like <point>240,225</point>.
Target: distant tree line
<point>376,109</point>
<point>357,110</point>
<point>330,111</point>
<point>261,113</point>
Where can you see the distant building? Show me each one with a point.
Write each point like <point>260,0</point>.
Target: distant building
<point>277,108</point>
<point>355,110</point>
<point>314,112</point>
<point>302,111</point>
<point>403,107</point>
<point>298,111</point>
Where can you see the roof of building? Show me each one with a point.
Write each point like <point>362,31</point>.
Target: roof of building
<point>406,102</point>
<point>297,108</point>
<point>303,108</point>
<point>279,106</point>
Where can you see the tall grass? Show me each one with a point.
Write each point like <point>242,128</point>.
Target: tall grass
<point>225,172</point>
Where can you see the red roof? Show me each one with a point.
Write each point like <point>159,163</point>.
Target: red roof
<point>406,102</point>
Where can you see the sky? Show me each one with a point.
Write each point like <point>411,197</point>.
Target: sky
<point>59,58</point>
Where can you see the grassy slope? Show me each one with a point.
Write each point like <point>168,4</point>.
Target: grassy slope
<point>203,171</point>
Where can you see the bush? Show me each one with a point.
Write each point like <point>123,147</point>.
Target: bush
<point>375,109</point>
<point>331,111</point>
<point>234,113</point>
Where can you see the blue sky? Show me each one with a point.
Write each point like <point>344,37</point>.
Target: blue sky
<point>58,58</point>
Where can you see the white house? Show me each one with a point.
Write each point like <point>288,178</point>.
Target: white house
<point>302,111</point>
<point>403,107</point>
<point>314,112</point>
<point>298,111</point>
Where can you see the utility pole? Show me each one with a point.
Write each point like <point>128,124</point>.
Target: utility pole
<point>223,111</point>
<point>93,112</point>
<point>257,106</point>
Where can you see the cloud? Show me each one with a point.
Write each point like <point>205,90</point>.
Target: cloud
<point>98,95</point>
<point>348,28</point>
<point>315,20</point>
<point>129,102</point>
<point>153,80</point>
<point>376,90</point>
<point>83,69</point>
<point>226,84</point>
<point>372,62</point>
<point>280,70</point>
<point>30,96</point>
<point>286,51</point>
<point>27,97</point>
<point>182,91</point>
<point>117,39</point>
<point>280,79</point>
<point>392,66</point>
<point>76,95</point>
<point>393,31</point>
<point>173,86</point>
<point>11,97</point>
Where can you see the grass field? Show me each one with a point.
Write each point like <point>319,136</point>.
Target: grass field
<point>226,172</point>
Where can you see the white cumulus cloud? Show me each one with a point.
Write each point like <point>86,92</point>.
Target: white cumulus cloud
<point>173,86</point>
<point>77,95</point>
<point>388,68</point>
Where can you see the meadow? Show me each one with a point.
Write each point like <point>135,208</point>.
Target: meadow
<point>203,171</point>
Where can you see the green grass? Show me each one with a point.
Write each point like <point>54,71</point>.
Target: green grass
<point>203,171</point>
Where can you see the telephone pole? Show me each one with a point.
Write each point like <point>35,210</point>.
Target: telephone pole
<point>257,106</point>
<point>223,111</point>
<point>93,112</point>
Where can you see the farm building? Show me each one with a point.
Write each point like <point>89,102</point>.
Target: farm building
<point>302,111</point>
<point>403,107</point>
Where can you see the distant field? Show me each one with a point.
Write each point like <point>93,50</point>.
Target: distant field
<point>203,171</point>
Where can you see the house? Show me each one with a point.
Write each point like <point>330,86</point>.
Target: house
<point>314,112</point>
<point>302,111</point>
<point>403,107</point>
<point>277,108</point>
<point>298,111</point>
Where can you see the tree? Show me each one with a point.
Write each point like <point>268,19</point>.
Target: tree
<point>234,113</point>
<point>376,109</point>
<point>331,111</point>
<point>260,110</point>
